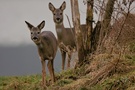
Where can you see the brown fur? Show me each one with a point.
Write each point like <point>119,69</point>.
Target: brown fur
<point>47,47</point>
<point>65,36</point>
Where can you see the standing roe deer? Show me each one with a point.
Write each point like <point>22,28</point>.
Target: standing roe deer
<point>47,47</point>
<point>66,37</point>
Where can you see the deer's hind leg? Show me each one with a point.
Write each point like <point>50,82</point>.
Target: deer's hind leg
<point>51,70</point>
<point>63,54</point>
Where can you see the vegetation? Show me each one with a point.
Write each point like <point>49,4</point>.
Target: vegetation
<point>20,83</point>
<point>102,72</point>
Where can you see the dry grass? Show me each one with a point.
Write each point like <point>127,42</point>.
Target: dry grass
<point>101,72</point>
<point>105,72</point>
<point>101,69</point>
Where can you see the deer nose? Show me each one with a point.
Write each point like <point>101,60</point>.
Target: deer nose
<point>35,38</point>
<point>58,19</point>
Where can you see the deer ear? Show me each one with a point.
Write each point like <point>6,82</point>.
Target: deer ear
<point>51,7</point>
<point>29,25</point>
<point>63,6</point>
<point>41,25</point>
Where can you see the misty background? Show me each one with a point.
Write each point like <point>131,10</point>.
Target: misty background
<point>18,54</point>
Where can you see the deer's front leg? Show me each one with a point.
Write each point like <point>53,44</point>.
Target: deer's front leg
<point>69,58</point>
<point>43,72</point>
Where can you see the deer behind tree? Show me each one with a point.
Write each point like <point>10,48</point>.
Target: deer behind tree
<point>66,37</point>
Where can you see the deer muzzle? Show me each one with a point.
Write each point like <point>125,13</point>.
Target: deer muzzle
<point>35,38</point>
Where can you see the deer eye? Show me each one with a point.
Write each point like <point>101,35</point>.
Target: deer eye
<point>54,14</point>
<point>60,13</point>
<point>31,32</point>
<point>38,32</point>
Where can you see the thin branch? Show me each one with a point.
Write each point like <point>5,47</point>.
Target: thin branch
<point>69,24</point>
<point>122,25</point>
<point>68,20</point>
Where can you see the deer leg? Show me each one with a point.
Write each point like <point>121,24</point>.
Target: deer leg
<point>51,70</point>
<point>43,72</point>
<point>69,58</point>
<point>53,75</point>
<point>63,54</point>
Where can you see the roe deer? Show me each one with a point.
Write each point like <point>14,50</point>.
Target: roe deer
<point>66,37</point>
<point>47,47</point>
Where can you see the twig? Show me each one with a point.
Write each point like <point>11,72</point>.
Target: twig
<point>69,24</point>
<point>122,26</point>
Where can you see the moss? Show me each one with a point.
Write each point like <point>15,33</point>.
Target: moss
<point>132,47</point>
<point>64,82</point>
<point>83,88</point>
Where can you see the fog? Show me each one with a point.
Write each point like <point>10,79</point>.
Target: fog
<point>18,54</point>
<point>14,13</point>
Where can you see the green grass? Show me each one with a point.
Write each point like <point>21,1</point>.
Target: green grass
<point>66,77</point>
<point>31,82</point>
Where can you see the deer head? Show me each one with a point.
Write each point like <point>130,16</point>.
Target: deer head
<point>35,31</point>
<point>57,12</point>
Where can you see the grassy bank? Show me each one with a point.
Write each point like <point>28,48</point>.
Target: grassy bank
<point>102,72</point>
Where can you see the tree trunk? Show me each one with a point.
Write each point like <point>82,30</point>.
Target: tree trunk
<point>92,34</point>
<point>89,21</point>
<point>95,36</point>
<point>78,32</point>
<point>106,22</point>
<point>107,19</point>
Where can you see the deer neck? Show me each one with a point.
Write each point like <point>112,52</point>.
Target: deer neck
<point>60,28</point>
<point>40,44</point>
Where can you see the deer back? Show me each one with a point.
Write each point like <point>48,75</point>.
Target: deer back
<point>48,46</point>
